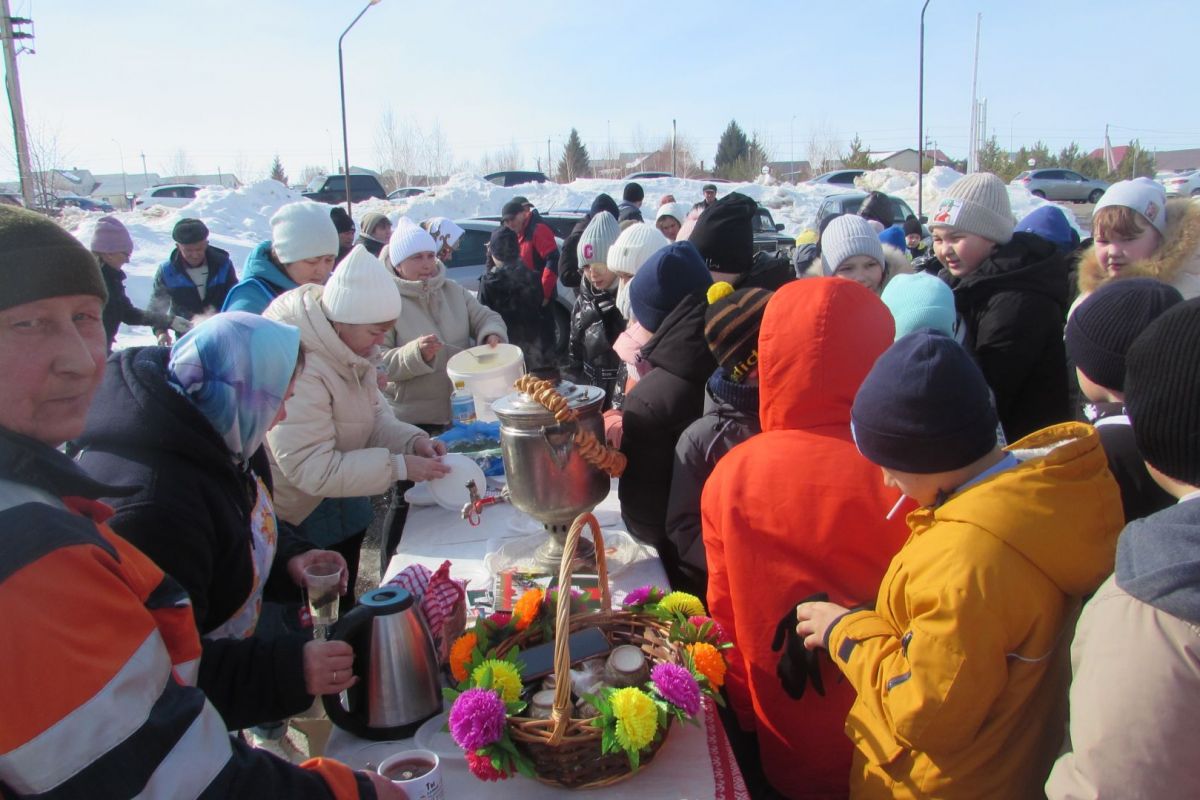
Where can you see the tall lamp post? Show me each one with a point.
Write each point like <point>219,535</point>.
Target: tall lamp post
<point>124,185</point>
<point>342,86</point>
<point>921,118</point>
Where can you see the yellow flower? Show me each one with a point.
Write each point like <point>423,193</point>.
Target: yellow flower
<point>526,608</point>
<point>460,655</point>
<point>637,717</point>
<point>505,679</point>
<point>683,603</point>
<point>709,663</point>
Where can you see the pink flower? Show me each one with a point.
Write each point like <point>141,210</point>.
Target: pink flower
<point>644,595</point>
<point>676,685</point>
<point>481,767</point>
<point>716,632</point>
<point>477,719</point>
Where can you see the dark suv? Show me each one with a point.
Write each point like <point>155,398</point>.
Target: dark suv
<point>332,189</point>
<point>516,177</point>
<point>769,235</point>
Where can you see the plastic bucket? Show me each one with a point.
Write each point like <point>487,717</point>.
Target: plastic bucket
<point>488,373</point>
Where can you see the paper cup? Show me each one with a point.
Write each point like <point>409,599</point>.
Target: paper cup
<point>417,772</point>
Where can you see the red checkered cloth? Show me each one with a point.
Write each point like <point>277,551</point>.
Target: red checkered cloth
<point>442,600</point>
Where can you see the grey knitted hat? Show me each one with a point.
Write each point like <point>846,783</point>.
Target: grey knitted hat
<point>977,203</point>
<point>597,238</point>
<point>847,236</point>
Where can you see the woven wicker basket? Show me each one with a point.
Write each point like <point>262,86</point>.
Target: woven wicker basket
<point>565,751</point>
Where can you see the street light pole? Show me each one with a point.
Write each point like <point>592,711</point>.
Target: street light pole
<point>921,117</point>
<point>342,87</point>
<point>792,145</point>
<point>1011,122</point>
<point>124,185</point>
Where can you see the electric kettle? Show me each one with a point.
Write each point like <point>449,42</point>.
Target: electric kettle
<point>398,686</point>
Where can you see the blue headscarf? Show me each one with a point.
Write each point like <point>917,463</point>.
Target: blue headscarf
<point>235,368</point>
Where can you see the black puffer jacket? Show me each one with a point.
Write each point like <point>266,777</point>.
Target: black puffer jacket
<point>595,325</point>
<point>1013,309</point>
<point>657,410</point>
<point>120,309</point>
<point>730,418</point>
<point>192,518</point>
<point>767,271</point>
<point>514,292</point>
<point>568,263</point>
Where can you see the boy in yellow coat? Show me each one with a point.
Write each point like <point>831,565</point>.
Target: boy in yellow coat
<point>961,668</point>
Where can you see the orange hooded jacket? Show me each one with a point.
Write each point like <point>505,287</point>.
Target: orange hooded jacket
<point>797,510</point>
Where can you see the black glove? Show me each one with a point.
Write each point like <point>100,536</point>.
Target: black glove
<point>797,666</point>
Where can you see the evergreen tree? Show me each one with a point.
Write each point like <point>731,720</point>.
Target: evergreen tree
<point>575,162</point>
<point>732,147</point>
<point>994,160</point>
<point>1137,163</point>
<point>1071,157</point>
<point>859,156</point>
<point>277,173</point>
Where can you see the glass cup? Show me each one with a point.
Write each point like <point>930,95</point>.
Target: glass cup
<point>322,584</point>
<point>417,772</point>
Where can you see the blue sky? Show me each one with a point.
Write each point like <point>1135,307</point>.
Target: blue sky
<point>232,83</point>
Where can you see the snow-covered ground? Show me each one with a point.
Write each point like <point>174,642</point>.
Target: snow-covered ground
<point>238,219</point>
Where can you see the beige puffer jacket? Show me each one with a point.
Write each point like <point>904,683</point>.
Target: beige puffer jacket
<point>340,434</point>
<point>420,392</point>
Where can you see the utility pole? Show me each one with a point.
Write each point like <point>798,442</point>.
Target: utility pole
<point>674,134</point>
<point>921,119</point>
<point>145,173</point>
<point>549,163</point>
<point>973,151</point>
<point>12,83</point>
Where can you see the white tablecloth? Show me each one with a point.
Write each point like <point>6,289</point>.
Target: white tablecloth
<point>694,763</point>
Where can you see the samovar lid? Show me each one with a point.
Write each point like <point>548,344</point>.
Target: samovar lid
<point>521,406</point>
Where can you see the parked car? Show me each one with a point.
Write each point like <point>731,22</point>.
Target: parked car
<point>559,221</point>
<point>850,202</point>
<point>175,195</point>
<point>838,176</point>
<point>1183,184</point>
<point>1061,184</point>
<point>647,175</point>
<point>407,191</point>
<point>83,203</point>
<point>332,188</point>
<point>516,177</point>
<point>12,199</point>
<point>769,236</point>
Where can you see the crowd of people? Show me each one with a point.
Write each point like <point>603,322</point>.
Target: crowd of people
<point>937,481</point>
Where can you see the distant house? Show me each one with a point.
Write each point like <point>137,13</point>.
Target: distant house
<point>623,164</point>
<point>1177,160</point>
<point>906,159</point>
<point>113,188</point>
<point>226,179</point>
<point>790,171</point>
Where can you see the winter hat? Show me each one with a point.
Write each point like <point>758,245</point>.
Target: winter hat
<point>1143,195</point>
<point>913,225</point>
<point>303,230</point>
<point>1105,324</point>
<point>504,245</point>
<point>1050,222</point>
<point>189,231</point>
<point>635,244</point>
<point>408,240</point>
<point>443,230</point>
<point>341,219</point>
<point>668,276</point>
<point>879,207</point>
<point>111,236</point>
<point>633,193</point>
<point>724,235</point>
<point>731,326</point>
<point>361,291</point>
<point>677,211</point>
<point>1161,381</point>
<point>924,407</point>
<point>977,203</point>
<point>893,237</point>
<point>919,301</point>
<point>709,187</point>
<point>597,239</point>
<point>849,236</point>
<point>511,209</point>
<point>39,260</point>
<point>604,202</point>
<point>369,222</point>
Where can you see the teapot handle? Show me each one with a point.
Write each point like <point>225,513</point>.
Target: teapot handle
<point>344,630</point>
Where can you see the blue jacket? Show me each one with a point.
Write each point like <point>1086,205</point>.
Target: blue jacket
<point>262,281</point>
<point>176,295</point>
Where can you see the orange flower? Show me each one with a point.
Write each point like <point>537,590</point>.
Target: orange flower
<point>709,663</point>
<point>460,655</point>
<point>527,607</point>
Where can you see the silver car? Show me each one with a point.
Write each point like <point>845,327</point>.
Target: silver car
<point>1061,184</point>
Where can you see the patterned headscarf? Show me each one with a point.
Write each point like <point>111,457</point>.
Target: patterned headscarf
<point>235,368</point>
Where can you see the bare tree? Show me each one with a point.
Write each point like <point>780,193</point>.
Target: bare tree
<point>393,150</point>
<point>180,165</point>
<point>245,169</point>
<point>310,172</point>
<point>45,159</point>
<point>508,158</point>
<point>436,155</point>
<point>824,147</point>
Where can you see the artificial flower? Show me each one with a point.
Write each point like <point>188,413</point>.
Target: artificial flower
<point>481,767</point>
<point>461,653</point>
<point>505,678</point>
<point>644,595</point>
<point>683,603</point>
<point>526,609</point>
<point>677,686</point>
<point>477,719</point>
<point>637,717</point>
<point>500,618</point>
<point>716,632</point>
<point>709,663</point>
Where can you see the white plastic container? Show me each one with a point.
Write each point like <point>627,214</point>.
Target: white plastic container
<point>488,372</point>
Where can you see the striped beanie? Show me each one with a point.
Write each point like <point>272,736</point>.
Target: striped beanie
<point>731,326</point>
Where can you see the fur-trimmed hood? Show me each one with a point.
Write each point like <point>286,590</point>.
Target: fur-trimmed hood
<point>897,263</point>
<point>1176,262</point>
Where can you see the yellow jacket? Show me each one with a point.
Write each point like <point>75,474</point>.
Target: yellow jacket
<point>961,669</point>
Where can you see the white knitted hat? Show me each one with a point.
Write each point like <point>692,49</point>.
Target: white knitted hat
<point>408,240</point>
<point>598,237</point>
<point>977,203</point>
<point>635,244</point>
<point>1143,196</point>
<point>847,236</point>
<point>303,230</point>
<point>360,291</point>
<point>677,210</point>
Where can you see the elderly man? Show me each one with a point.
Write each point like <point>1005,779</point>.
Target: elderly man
<point>100,650</point>
<point>194,279</point>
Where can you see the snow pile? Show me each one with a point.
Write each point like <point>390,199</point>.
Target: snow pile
<point>238,219</point>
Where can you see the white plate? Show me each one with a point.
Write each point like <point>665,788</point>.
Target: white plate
<point>430,736</point>
<point>450,492</point>
<point>419,495</point>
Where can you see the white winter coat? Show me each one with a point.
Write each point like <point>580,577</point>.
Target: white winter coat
<point>340,433</point>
